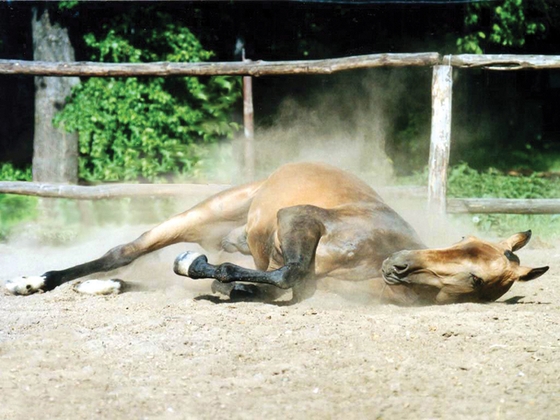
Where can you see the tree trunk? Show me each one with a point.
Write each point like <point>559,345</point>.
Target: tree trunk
<point>55,152</point>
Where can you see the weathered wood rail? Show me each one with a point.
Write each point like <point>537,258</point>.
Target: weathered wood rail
<point>503,205</point>
<point>503,61</point>
<point>105,191</point>
<point>241,68</point>
<point>110,191</point>
<point>441,115</point>
<point>268,68</point>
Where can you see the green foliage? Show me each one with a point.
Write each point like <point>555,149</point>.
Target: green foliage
<point>68,5</point>
<point>132,128</point>
<point>15,209</point>
<point>10,173</point>
<point>467,182</point>
<point>507,24</point>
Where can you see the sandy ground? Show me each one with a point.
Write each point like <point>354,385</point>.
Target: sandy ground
<point>163,352</point>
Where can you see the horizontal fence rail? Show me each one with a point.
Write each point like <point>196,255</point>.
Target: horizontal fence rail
<point>241,68</point>
<point>503,205</point>
<point>503,61</point>
<point>267,68</point>
<point>96,192</point>
<point>111,191</point>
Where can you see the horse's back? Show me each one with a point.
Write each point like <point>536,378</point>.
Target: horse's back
<point>316,184</point>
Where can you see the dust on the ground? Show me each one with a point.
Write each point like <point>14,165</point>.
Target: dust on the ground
<point>159,352</point>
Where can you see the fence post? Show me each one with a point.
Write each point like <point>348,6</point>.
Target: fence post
<point>248,125</point>
<point>440,140</point>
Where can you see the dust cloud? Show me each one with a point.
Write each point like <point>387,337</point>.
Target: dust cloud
<point>347,126</point>
<point>351,126</point>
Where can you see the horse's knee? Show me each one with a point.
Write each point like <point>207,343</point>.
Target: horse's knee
<point>226,273</point>
<point>119,256</point>
<point>291,275</point>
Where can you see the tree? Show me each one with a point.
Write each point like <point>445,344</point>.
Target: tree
<point>55,152</point>
<point>508,23</point>
<point>132,128</point>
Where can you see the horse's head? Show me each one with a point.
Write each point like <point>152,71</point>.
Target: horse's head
<point>472,270</point>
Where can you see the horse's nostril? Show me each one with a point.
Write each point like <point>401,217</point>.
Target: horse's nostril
<point>400,268</point>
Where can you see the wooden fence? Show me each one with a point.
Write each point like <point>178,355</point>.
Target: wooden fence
<point>440,139</point>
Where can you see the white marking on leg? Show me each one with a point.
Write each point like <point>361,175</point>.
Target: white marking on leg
<point>25,285</point>
<point>100,287</point>
<point>184,261</point>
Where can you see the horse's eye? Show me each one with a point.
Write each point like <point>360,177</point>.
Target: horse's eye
<point>476,281</point>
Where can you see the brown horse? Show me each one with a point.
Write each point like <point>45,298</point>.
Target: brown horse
<point>308,222</point>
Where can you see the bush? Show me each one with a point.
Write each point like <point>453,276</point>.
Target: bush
<point>15,209</point>
<point>132,128</point>
<point>467,182</point>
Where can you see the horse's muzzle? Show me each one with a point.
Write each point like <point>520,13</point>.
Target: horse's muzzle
<point>396,268</point>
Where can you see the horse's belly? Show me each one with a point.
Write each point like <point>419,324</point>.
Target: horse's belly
<point>345,262</point>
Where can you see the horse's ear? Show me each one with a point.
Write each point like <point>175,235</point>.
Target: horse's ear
<point>527,273</point>
<point>517,241</point>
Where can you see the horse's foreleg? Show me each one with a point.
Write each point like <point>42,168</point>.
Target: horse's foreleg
<point>206,224</point>
<point>299,232</point>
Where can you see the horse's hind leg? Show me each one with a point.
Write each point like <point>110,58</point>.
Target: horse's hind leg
<point>206,224</point>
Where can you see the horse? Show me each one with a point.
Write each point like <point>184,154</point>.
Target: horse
<point>312,222</point>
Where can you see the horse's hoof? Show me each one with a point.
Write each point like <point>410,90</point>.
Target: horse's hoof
<point>246,292</point>
<point>183,262</point>
<point>100,287</point>
<point>222,288</point>
<point>236,291</point>
<point>26,285</point>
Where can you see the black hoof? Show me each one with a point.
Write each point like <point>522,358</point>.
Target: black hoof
<point>237,291</point>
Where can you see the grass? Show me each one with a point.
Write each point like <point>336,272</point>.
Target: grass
<point>467,182</point>
<point>15,209</point>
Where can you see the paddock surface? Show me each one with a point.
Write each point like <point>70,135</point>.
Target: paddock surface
<point>159,352</point>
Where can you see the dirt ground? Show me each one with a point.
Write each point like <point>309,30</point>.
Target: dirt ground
<point>161,351</point>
